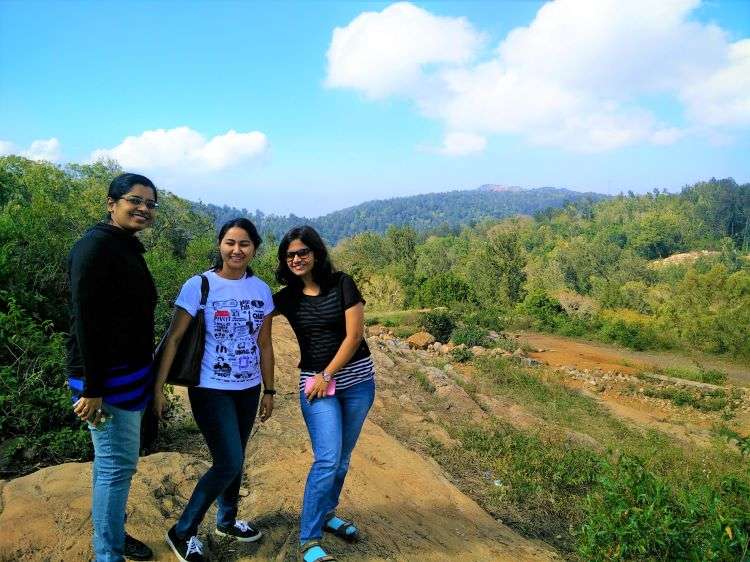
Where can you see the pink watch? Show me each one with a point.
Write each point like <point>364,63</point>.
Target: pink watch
<point>326,375</point>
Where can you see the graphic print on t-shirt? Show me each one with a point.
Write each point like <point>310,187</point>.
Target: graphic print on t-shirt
<point>234,325</point>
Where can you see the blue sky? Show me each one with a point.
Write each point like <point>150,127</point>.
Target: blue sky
<point>264,105</point>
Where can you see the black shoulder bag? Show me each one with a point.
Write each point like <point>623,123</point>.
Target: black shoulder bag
<point>186,367</point>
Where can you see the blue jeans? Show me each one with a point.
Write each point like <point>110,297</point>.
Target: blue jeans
<point>116,445</point>
<point>225,418</point>
<point>334,423</point>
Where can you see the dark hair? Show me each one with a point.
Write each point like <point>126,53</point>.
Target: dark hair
<point>122,185</point>
<point>322,269</point>
<point>245,225</point>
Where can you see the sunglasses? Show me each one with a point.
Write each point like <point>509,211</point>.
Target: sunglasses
<point>138,201</point>
<point>302,254</point>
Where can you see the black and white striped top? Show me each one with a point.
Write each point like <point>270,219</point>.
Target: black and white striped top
<point>319,323</point>
<point>353,373</point>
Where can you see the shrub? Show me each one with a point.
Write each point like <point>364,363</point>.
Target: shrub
<point>492,318</point>
<point>444,289</point>
<point>546,311</point>
<point>469,336</point>
<point>630,329</point>
<point>462,355</point>
<point>438,324</point>
<point>36,416</point>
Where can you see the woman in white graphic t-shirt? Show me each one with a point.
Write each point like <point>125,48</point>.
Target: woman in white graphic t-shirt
<point>237,355</point>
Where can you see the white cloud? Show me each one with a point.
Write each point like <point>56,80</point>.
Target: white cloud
<point>48,149</point>
<point>7,147</point>
<point>723,97</point>
<point>42,149</point>
<point>182,149</point>
<point>461,144</point>
<point>383,53</point>
<point>576,77</point>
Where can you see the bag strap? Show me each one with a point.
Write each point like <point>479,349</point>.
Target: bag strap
<point>204,291</point>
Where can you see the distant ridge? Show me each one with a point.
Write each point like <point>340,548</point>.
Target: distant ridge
<point>443,212</point>
<point>500,188</point>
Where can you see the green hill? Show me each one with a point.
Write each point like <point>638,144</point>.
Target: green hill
<point>446,212</point>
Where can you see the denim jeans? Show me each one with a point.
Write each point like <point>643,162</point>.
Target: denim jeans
<point>334,423</point>
<point>225,418</point>
<point>116,445</point>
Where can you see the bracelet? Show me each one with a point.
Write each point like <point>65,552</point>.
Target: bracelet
<point>326,375</point>
<point>270,391</point>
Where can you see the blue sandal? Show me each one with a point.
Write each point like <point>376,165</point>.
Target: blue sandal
<point>341,528</point>
<point>313,552</point>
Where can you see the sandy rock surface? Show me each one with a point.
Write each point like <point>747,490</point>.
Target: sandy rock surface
<point>406,508</point>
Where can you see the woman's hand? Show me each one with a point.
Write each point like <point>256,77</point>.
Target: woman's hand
<point>160,402</point>
<point>89,409</point>
<point>318,388</point>
<point>266,407</point>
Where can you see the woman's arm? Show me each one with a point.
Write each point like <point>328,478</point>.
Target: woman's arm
<point>266,366</point>
<point>355,331</point>
<point>177,328</point>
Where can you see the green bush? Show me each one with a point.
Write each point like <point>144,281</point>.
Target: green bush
<point>629,334</point>
<point>545,310</point>
<point>438,324</point>
<point>36,418</point>
<point>462,355</point>
<point>444,289</point>
<point>636,515</point>
<point>490,318</point>
<point>469,336</point>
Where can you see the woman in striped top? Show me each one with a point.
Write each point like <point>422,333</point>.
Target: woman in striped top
<point>337,386</point>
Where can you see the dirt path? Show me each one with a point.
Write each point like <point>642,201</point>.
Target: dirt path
<point>406,507</point>
<point>596,359</point>
<point>562,351</point>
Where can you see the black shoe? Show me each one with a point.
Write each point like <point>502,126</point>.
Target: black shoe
<point>136,550</point>
<point>243,531</point>
<point>186,550</point>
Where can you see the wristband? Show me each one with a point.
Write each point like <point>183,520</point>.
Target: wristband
<point>270,391</point>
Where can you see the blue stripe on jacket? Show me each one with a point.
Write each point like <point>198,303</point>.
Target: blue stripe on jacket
<point>130,391</point>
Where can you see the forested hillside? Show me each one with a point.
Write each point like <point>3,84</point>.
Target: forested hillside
<point>446,212</point>
<point>590,269</point>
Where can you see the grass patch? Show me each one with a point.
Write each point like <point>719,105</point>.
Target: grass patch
<point>697,374</point>
<point>422,380</point>
<point>393,318</point>
<point>534,487</point>
<point>404,331</point>
<point>706,401</point>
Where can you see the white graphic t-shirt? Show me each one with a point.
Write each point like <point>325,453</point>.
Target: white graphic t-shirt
<point>234,313</point>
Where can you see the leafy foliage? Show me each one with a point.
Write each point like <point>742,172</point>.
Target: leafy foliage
<point>439,324</point>
<point>44,209</point>
<point>469,335</point>
<point>636,515</point>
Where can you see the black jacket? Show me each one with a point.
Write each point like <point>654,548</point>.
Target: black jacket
<point>112,302</point>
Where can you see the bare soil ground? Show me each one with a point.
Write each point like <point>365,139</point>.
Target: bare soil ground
<point>404,503</point>
<point>562,351</point>
<point>607,372</point>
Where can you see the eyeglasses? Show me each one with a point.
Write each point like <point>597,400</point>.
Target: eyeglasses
<point>302,253</point>
<point>138,201</point>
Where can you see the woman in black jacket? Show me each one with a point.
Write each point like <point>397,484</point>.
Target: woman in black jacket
<point>112,302</point>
